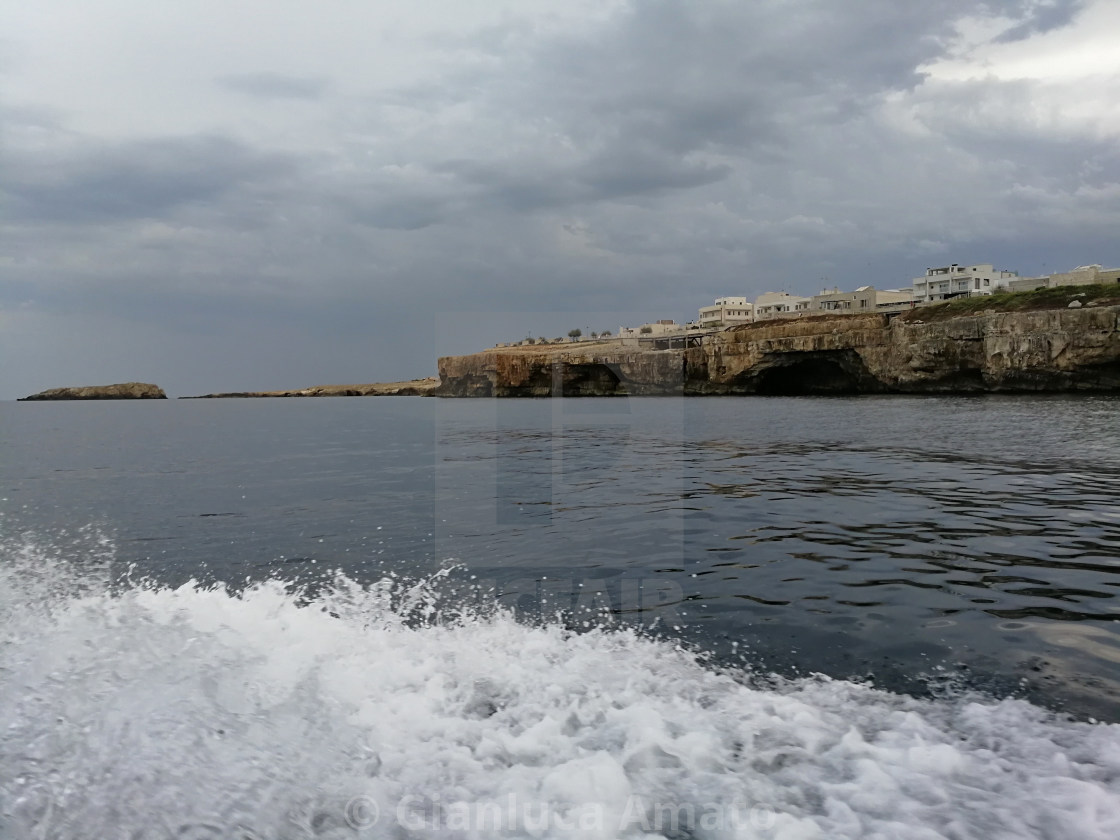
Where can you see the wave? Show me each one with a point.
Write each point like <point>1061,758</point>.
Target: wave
<point>141,710</point>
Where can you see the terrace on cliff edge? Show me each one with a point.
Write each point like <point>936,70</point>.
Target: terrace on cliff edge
<point>1055,339</point>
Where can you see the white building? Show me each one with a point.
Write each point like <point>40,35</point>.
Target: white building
<point>662,327</point>
<point>780,305</point>
<point>727,311</point>
<point>1083,275</point>
<point>960,281</point>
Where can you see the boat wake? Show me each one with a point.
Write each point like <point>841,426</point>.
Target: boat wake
<point>142,711</point>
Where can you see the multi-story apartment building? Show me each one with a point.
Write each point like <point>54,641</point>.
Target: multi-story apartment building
<point>780,305</point>
<point>863,299</point>
<point>960,281</point>
<point>726,311</point>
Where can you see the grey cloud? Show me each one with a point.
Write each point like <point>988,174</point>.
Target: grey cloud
<point>671,152</point>
<point>133,180</point>
<point>995,123</point>
<point>518,186</point>
<point>643,102</point>
<point>1043,16</point>
<point>403,212</point>
<point>31,117</point>
<point>10,54</point>
<point>275,85</point>
<point>690,76</point>
<point>672,98</point>
<point>605,176</point>
<point>617,174</point>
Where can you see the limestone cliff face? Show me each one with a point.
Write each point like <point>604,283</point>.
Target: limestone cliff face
<point>570,371</point>
<point>822,354</point>
<point>122,391</point>
<point>1049,350</point>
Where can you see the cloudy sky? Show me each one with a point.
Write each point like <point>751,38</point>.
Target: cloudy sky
<point>279,193</point>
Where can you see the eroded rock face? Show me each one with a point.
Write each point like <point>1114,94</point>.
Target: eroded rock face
<point>1049,350</point>
<point>570,373</point>
<point>122,391</point>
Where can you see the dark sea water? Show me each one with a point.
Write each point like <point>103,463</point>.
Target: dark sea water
<point>789,617</point>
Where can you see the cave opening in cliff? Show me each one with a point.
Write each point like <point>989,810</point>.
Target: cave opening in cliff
<point>816,373</point>
<point>589,380</point>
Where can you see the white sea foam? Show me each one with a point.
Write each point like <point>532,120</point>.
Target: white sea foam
<point>196,713</point>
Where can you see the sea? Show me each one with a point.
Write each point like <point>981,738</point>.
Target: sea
<point>726,617</point>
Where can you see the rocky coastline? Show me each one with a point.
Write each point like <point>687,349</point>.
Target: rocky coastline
<point>408,388</point>
<point>922,351</point>
<point>1034,344</point>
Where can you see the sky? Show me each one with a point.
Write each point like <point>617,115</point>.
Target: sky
<point>269,194</point>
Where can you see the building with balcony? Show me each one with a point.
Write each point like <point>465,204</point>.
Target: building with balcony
<point>956,280</point>
<point>780,305</point>
<point>862,300</point>
<point>726,311</point>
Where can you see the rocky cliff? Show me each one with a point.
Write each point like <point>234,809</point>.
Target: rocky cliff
<point>122,391</point>
<point>1050,350</point>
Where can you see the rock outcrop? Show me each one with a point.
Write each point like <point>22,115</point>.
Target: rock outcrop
<point>121,391</point>
<point>1049,350</point>
<point>410,388</point>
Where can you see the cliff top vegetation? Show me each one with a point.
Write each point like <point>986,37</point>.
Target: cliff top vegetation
<point>1058,297</point>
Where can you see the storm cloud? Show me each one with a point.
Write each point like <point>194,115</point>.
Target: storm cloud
<point>311,195</point>
<point>140,179</point>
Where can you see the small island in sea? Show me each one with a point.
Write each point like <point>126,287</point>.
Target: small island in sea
<point>120,391</point>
